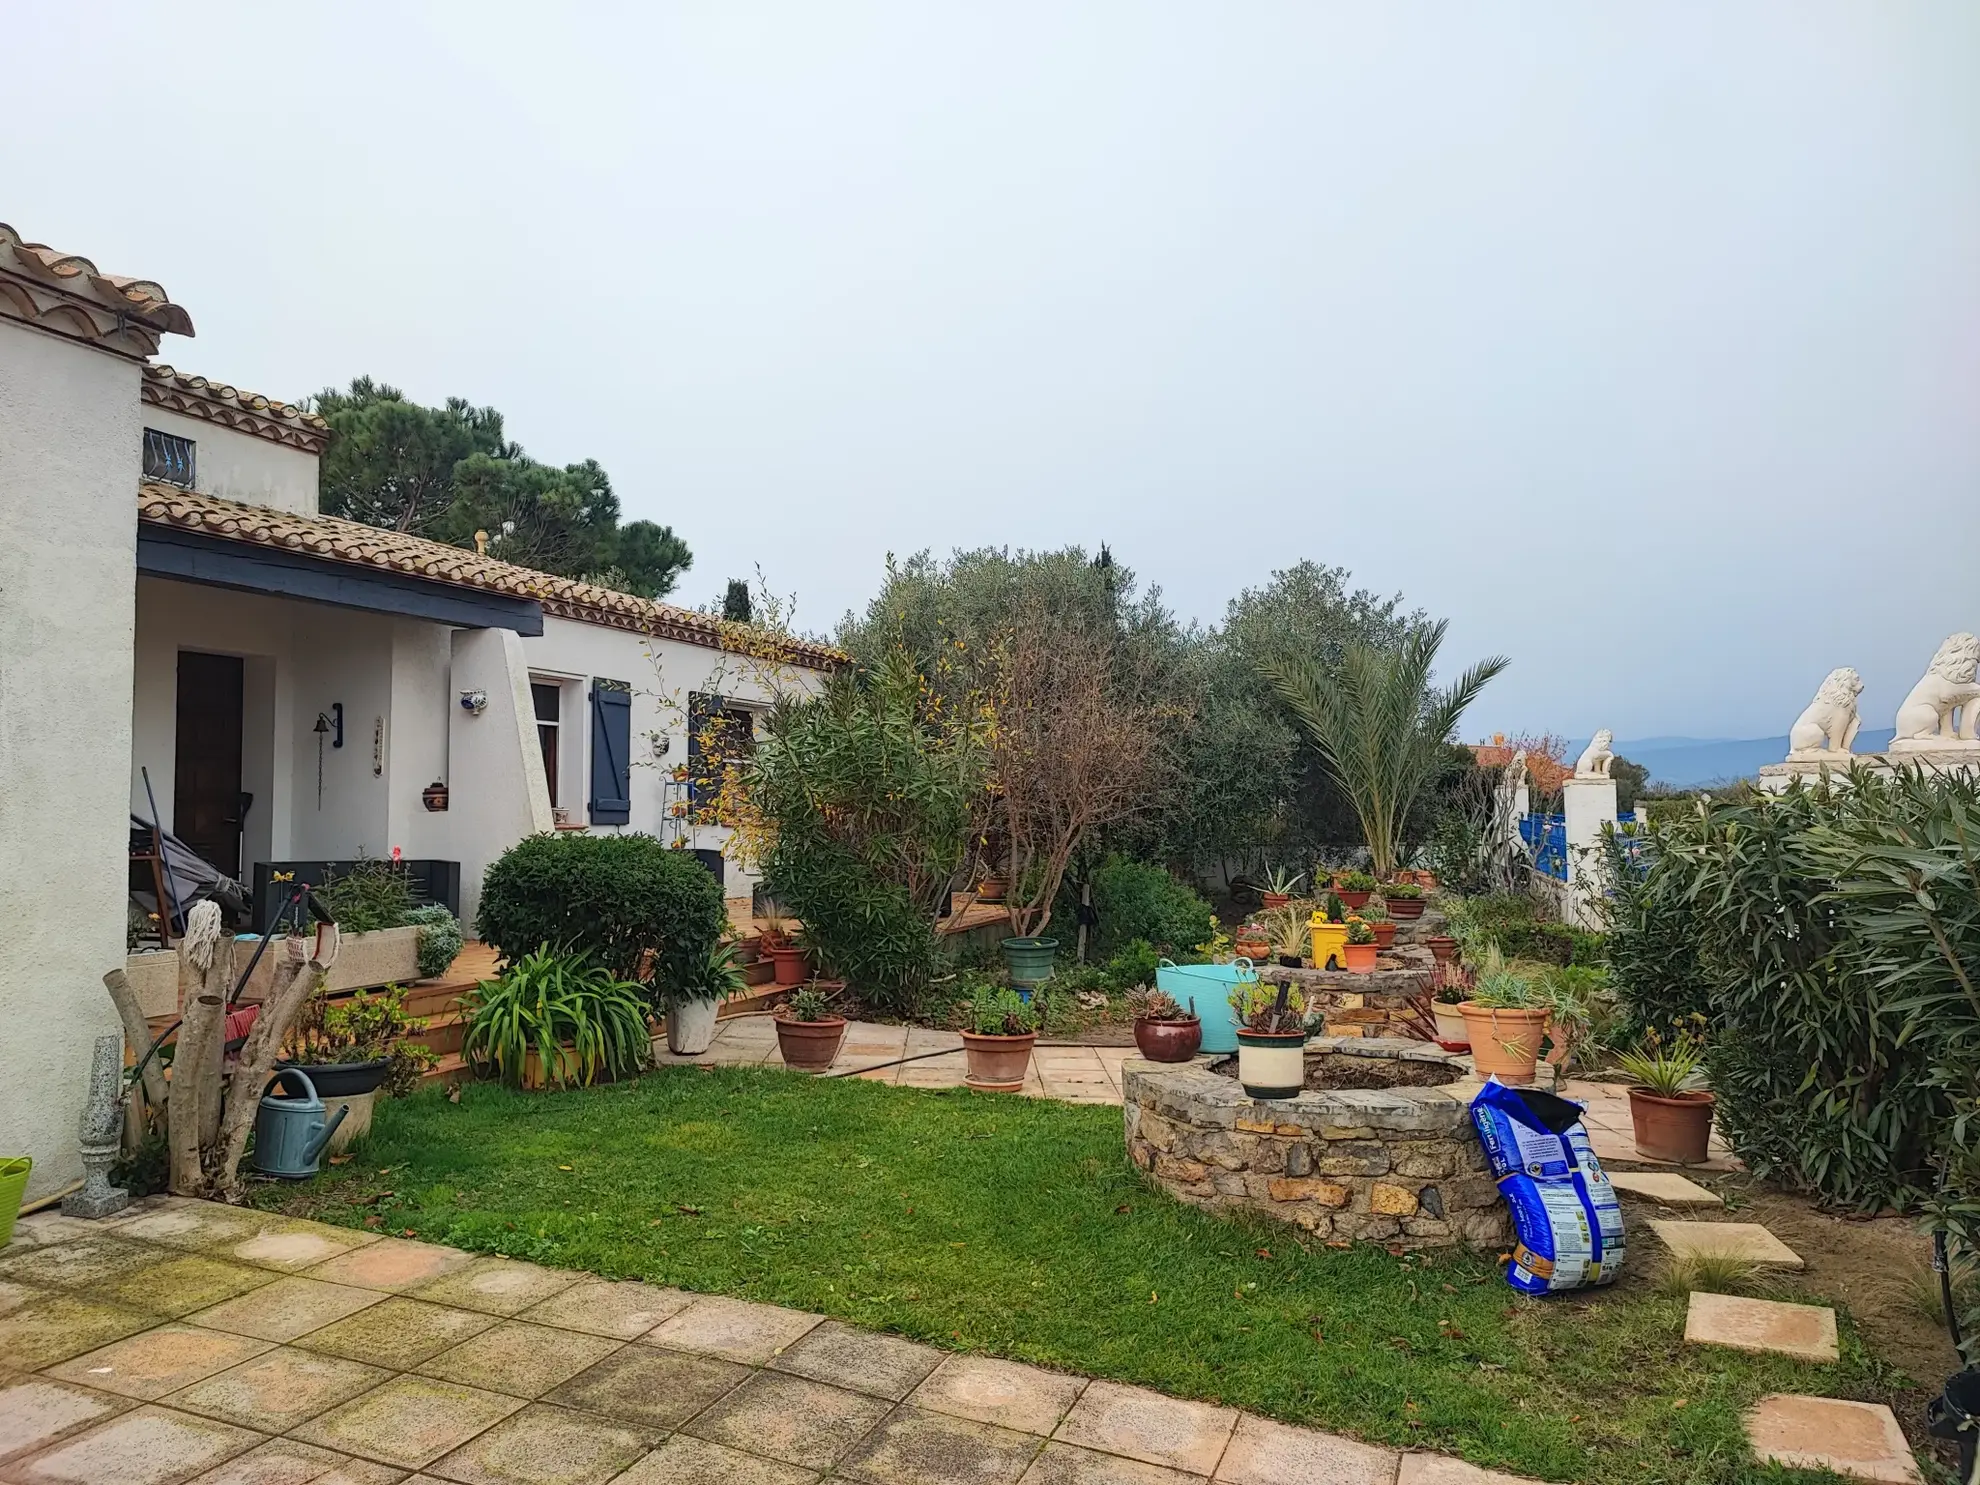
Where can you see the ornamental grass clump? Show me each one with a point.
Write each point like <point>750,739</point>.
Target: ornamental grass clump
<point>556,1019</point>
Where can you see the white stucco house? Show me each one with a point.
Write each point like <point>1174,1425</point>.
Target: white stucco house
<point>173,611</point>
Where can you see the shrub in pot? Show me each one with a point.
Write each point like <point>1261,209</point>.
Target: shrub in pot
<point>1404,899</point>
<point>1163,1030</point>
<point>1271,1035</point>
<point>808,1034</point>
<point>1505,1018</point>
<point>556,1019</point>
<point>354,1049</point>
<point>1358,954</point>
<point>694,1002</point>
<point>1354,888</point>
<point>1668,1105</point>
<point>999,1031</point>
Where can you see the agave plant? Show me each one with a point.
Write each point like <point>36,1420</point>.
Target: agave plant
<point>572,1015</point>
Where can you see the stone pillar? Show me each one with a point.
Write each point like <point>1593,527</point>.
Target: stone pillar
<point>1587,804</point>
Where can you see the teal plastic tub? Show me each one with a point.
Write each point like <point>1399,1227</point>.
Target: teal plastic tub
<point>1209,986</point>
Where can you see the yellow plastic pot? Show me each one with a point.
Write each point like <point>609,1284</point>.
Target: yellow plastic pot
<point>1329,941</point>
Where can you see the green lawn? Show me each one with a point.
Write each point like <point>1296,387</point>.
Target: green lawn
<point>1015,1226</point>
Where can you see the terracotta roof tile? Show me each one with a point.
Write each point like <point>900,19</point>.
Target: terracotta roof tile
<point>373,546</point>
<point>1547,774</point>
<point>250,412</point>
<point>69,295</point>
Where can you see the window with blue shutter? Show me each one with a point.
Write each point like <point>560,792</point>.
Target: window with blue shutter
<point>611,752</point>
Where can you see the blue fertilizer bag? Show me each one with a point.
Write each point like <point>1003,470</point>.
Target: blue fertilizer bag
<point>1567,1223</point>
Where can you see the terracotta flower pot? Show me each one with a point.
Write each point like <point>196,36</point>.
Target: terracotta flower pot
<point>1385,934</point>
<point>1168,1041</point>
<point>1353,900</point>
<point>1405,909</point>
<point>1504,1043</point>
<point>1252,948</point>
<point>997,1064</point>
<point>1274,899</point>
<point>790,963</point>
<point>810,1046</point>
<point>991,889</point>
<point>1451,1033</point>
<point>1271,1064</point>
<point>1359,958</point>
<point>1442,947</point>
<point>1675,1129</point>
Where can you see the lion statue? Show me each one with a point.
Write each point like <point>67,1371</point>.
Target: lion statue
<point>1925,721</point>
<point>1597,756</point>
<point>1829,723</point>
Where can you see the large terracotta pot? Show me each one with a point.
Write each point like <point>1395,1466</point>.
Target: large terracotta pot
<point>1442,947</point>
<point>1451,1033</point>
<point>1271,1064</point>
<point>1274,899</point>
<point>1676,1129</point>
<point>1359,958</point>
<point>1253,948</point>
<point>1352,900</point>
<point>997,1064</point>
<point>991,889</point>
<point>1405,909</point>
<point>1385,934</point>
<point>1168,1041</point>
<point>810,1046</point>
<point>791,962</point>
<point>1504,1043</point>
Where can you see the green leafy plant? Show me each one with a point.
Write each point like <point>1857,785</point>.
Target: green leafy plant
<point>1374,911</point>
<point>439,938</point>
<point>620,900</point>
<point>1256,1006</point>
<point>718,977</point>
<point>575,1017</point>
<point>371,896</point>
<point>807,1003</point>
<point>365,1027</point>
<point>1134,900</point>
<point>1291,932</point>
<point>997,1010</point>
<point>1667,1065</point>
<point>1134,965</point>
<point>1355,881</point>
<point>1500,986</point>
<point>1282,881</point>
<point>1157,1005</point>
<point>1408,891</point>
<point>1359,929</point>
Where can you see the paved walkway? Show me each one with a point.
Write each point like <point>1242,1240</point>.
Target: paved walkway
<point>873,1051</point>
<point>188,1342</point>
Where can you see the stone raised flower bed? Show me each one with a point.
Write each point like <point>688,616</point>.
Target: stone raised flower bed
<point>1378,1147</point>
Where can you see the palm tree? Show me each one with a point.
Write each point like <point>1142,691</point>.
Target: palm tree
<point>1380,725</point>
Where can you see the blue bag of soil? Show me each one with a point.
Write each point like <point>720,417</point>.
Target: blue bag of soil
<point>1567,1224</point>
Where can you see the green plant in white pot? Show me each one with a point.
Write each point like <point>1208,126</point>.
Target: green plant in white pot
<point>695,1002</point>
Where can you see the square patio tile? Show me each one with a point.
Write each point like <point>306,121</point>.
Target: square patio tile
<point>13,1296</point>
<point>1005,1393</point>
<point>1150,1427</point>
<point>181,1284</point>
<point>410,1421</point>
<point>392,1263</point>
<point>297,1248</point>
<point>49,1330</point>
<point>279,1389</point>
<point>1805,1332</point>
<point>543,1445</point>
<point>913,1447</point>
<point>287,1308</point>
<point>79,1263</point>
<point>623,1310</point>
<point>1748,1240</point>
<point>151,1446</point>
<point>862,1360</point>
<point>194,1226</point>
<point>789,1419</point>
<point>154,1362</point>
<point>287,1462</point>
<point>35,1411</point>
<point>38,1229</point>
<point>1665,1186</point>
<point>650,1387</point>
<point>733,1329</point>
<point>688,1461</point>
<point>1265,1453</point>
<point>496,1286</point>
<point>520,1359</point>
<point>1436,1469</point>
<point>1066,1464</point>
<point>1814,1433</point>
<point>398,1333</point>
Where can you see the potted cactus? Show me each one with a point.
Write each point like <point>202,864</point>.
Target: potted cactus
<point>999,1031</point>
<point>1163,1030</point>
<point>808,1034</point>
<point>1358,955</point>
<point>1271,1036</point>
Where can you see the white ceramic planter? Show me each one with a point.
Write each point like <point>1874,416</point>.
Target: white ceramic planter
<point>691,1026</point>
<point>1450,1026</point>
<point>1271,1066</point>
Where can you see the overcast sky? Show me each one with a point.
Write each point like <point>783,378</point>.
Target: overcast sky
<point>1644,345</point>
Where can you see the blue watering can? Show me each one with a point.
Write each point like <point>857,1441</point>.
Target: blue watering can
<point>290,1133</point>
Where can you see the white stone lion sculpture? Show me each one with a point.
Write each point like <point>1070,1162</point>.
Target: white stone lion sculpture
<point>1597,756</point>
<point>1828,725</point>
<point>1925,720</point>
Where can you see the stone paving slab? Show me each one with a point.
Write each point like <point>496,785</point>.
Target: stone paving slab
<point>1668,1187</point>
<point>1149,1427</point>
<point>1805,1332</point>
<point>152,1363</point>
<point>986,1389</point>
<point>1861,1440</point>
<point>1439,1469</point>
<point>1262,1452</point>
<point>151,1445</point>
<point>36,1411</point>
<point>1748,1240</point>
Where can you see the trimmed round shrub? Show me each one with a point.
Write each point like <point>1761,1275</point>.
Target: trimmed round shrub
<point>1133,900</point>
<point>613,897</point>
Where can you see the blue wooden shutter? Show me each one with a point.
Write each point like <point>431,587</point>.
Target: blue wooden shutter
<point>611,754</point>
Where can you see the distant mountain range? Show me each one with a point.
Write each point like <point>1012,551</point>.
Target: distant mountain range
<point>1690,762</point>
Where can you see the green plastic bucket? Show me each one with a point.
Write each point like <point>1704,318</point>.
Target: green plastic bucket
<point>13,1185</point>
<point>1029,960</point>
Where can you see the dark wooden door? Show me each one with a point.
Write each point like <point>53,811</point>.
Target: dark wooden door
<point>206,783</point>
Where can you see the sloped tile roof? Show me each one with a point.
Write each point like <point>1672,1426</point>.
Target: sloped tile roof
<point>68,295</point>
<point>250,412</point>
<point>374,546</point>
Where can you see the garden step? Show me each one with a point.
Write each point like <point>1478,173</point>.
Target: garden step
<point>451,1068</point>
<point>1861,1440</point>
<point>1748,1240</point>
<point>1666,1187</point>
<point>1805,1332</point>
